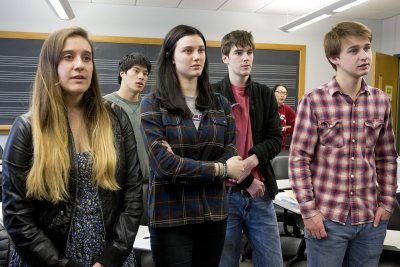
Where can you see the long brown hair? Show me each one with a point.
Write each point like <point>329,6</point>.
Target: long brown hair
<point>48,178</point>
<point>167,87</point>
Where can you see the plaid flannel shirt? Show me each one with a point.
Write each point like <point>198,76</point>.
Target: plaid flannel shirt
<point>183,188</point>
<point>342,156</point>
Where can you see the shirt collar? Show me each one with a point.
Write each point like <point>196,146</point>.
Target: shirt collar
<point>333,87</point>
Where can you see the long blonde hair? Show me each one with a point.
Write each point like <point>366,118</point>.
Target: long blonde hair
<point>48,178</point>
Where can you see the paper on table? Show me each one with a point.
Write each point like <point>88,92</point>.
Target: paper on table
<point>290,194</point>
<point>288,197</point>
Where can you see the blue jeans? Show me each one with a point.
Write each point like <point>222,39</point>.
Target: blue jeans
<point>347,245</point>
<point>257,218</point>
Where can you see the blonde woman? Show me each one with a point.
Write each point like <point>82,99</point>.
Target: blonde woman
<point>72,189</point>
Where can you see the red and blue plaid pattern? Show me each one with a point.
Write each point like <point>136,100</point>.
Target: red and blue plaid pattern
<point>342,156</point>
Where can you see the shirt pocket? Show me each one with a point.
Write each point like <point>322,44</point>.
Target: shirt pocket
<point>220,120</point>
<point>330,133</point>
<point>172,126</point>
<point>170,120</point>
<point>372,128</point>
<point>220,125</point>
<point>217,130</point>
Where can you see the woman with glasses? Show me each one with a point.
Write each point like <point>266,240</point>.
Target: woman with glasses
<point>287,114</point>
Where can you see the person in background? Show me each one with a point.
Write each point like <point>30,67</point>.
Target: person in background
<point>134,71</point>
<point>286,113</point>
<point>72,187</point>
<point>259,137</point>
<point>342,161</point>
<point>190,136</point>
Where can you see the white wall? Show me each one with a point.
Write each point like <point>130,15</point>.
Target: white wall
<point>391,36</point>
<point>123,20</point>
<point>130,21</point>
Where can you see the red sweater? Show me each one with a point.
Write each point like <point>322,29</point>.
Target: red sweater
<point>288,117</point>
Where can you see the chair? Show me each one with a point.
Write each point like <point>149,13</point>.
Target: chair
<point>394,221</point>
<point>280,165</point>
<point>292,243</point>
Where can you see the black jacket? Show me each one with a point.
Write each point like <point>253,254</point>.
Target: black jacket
<point>266,128</point>
<point>39,229</point>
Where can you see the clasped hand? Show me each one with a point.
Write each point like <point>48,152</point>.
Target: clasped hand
<point>237,170</point>
<point>257,188</point>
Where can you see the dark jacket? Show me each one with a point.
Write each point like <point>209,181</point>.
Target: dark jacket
<point>266,128</point>
<point>39,229</point>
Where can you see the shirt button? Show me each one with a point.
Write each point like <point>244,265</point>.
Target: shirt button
<point>354,121</point>
<point>351,193</point>
<point>352,158</point>
<point>353,140</point>
<point>352,176</point>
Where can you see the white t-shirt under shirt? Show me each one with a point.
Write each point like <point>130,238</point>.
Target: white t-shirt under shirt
<point>197,114</point>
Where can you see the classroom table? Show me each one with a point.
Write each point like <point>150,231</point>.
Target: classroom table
<point>283,184</point>
<point>142,241</point>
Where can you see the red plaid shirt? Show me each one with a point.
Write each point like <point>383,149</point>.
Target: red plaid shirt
<point>343,156</point>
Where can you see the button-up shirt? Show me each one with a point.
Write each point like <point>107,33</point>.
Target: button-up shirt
<point>342,157</point>
<point>183,188</point>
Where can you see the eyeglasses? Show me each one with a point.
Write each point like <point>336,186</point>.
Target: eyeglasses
<point>281,92</point>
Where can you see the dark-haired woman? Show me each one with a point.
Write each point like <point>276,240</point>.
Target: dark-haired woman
<point>190,134</point>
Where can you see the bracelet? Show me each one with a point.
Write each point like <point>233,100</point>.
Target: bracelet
<point>225,171</point>
<point>217,170</point>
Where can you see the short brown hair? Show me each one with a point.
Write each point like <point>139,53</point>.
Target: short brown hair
<point>333,39</point>
<point>236,38</point>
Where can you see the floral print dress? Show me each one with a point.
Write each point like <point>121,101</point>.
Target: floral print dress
<point>87,234</point>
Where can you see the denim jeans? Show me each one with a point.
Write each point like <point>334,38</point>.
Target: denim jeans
<point>347,245</point>
<point>195,245</point>
<point>257,218</point>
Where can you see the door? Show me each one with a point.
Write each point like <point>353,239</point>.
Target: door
<point>385,76</point>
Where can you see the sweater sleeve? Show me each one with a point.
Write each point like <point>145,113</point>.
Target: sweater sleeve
<point>290,118</point>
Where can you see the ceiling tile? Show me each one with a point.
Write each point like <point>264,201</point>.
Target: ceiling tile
<point>372,9</point>
<point>158,3</point>
<point>204,4</point>
<point>244,6</point>
<point>114,2</point>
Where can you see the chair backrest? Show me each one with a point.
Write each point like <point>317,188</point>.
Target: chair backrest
<point>280,166</point>
<point>394,221</point>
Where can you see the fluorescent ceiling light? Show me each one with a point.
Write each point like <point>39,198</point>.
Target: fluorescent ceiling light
<point>62,8</point>
<point>320,14</point>
<point>311,21</point>
<point>343,8</point>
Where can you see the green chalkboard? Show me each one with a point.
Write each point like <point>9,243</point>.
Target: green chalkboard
<point>19,54</point>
